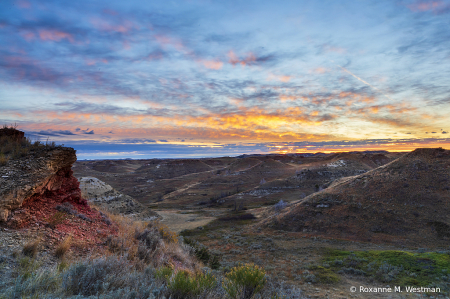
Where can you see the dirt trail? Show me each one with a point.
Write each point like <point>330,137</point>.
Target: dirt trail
<point>180,190</point>
<point>177,222</point>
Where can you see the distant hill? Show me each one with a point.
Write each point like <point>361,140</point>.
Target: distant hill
<point>167,169</point>
<point>405,201</point>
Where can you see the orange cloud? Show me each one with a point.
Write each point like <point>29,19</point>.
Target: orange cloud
<point>282,78</point>
<point>253,123</point>
<point>320,70</point>
<point>55,35</point>
<point>285,98</point>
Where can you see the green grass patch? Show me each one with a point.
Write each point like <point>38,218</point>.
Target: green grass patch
<point>325,275</point>
<point>430,269</point>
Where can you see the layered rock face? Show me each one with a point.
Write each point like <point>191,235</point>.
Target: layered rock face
<point>43,175</point>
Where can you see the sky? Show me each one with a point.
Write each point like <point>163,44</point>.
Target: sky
<point>197,78</point>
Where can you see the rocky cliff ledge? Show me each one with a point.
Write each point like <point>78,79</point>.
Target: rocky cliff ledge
<point>43,175</point>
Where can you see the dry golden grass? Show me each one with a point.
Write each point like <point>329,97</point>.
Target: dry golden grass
<point>31,248</point>
<point>169,251</point>
<point>3,159</point>
<point>63,247</point>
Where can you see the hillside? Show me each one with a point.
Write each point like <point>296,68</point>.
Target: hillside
<point>103,195</point>
<point>405,201</point>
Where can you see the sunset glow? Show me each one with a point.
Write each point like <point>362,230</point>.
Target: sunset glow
<point>119,79</point>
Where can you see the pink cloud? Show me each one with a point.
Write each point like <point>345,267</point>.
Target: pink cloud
<point>212,64</point>
<point>23,4</point>
<point>234,59</point>
<point>28,36</point>
<point>155,56</point>
<point>55,35</point>
<point>94,62</point>
<point>434,6</point>
<point>166,41</point>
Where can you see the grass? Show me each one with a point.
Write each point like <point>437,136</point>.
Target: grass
<point>391,266</point>
<point>231,220</point>
<point>63,247</point>
<point>3,159</point>
<point>31,248</point>
<point>13,148</point>
<point>203,254</point>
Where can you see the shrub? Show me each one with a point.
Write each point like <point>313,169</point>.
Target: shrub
<point>63,247</point>
<point>165,232</point>
<point>280,205</point>
<point>97,276</point>
<point>154,232</point>
<point>244,281</point>
<point>115,244</point>
<point>185,285</point>
<point>214,262</point>
<point>164,273</point>
<point>31,248</point>
<point>33,285</point>
<point>3,159</point>
<point>203,254</point>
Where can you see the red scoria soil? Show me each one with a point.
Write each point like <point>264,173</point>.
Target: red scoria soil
<point>39,213</point>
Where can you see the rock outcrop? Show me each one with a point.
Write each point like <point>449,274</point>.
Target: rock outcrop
<point>12,133</point>
<point>103,195</point>
<point>44,174</point>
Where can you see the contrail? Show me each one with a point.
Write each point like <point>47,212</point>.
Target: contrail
<point>364,81</point>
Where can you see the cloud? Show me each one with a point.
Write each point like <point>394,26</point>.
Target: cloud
<point>320,70</point>
<point>281,78</point>
<point>212,64</point>
<point>437,7</point>
<point>53,133</point>
<point>327,48</point>
<point>55,35</point>
<point>163,140</point>
<point>91,132</point>
<point>23,4</point>
<point>124,26</point>
<point>248,60</point>
<point>135,140</point>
